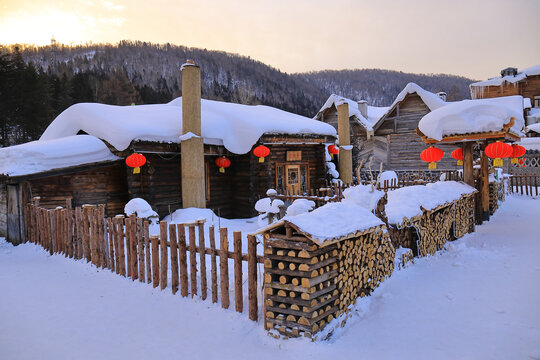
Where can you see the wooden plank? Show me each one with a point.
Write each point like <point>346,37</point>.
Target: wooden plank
<point>127,224</point>
<point>174,258</point>
<point>164,255</point>
<point>192,261</point>
<point>238,294</point>
<point>133,246</point>
<point>122,243</point>
<point>213,264</point>
<point>224,268</point>
<point>146,235</point>
<point>202,257</point>
<point>252,278</point>
<point>154,239</point>
<point>183,259</point>
<point>110,233</point>
<point>140,246</point>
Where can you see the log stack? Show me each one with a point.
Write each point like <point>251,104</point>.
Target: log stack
<point>464,215</point>
<point>306,285</point>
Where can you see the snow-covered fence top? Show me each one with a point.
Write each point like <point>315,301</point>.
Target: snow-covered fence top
<point>235,126</point>
<point>39,156</point>
<point>410,201</point>
<point>474,116</point>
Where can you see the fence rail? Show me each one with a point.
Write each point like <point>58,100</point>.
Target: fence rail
<point>524,184</point>
<point>125,246</point>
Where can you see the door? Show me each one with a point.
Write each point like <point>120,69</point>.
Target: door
<point>14,223</point>
<point>292,178</point>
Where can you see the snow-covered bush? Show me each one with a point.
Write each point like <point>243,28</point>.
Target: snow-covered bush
<point>142,209</point>
<point>300,206</point>
<point>331,169</point>
<point>269,208</point>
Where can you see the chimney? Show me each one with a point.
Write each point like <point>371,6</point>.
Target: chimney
<point>362,107</point>
<point>345,148</point>
<point>191,148</point>
<point>510,71</point>
<point>442,95</point>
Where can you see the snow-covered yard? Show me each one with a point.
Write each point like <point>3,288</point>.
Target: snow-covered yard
<point>479,299</point>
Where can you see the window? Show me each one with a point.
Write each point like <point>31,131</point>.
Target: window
<point>536,101</point>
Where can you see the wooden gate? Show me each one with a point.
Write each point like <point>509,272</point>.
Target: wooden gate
<point>15,227</point>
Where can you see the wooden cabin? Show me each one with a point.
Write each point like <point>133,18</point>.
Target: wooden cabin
<point>91,169</point>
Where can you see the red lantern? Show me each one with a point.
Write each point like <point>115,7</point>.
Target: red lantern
<point>498,151</point>
<point>222,162</point>
<point>432,155</point>
<point>261,152</point>
<point>517,151</point>
<point>333,150</point>
<point>135,161</point>
<point>458,155</point>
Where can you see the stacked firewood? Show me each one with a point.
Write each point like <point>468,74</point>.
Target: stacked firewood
<point>435,228</point>
<point>464,214</point>
<point>493,197</point>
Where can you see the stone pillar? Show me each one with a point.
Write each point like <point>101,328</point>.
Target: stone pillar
<point>345,149</point>
<point>192,150</point>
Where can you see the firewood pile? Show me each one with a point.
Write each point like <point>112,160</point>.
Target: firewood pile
<point>307,285</point>
<point>496,194</point>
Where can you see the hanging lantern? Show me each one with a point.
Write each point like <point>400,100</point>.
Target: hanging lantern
<point>431,155</point>
<point>458,155</point>
<point>261,152</point>
<point>498,151</point>
<point>135,161</point>
<point>222,162</point>
<point>517,152</point>
<point>333,150</point>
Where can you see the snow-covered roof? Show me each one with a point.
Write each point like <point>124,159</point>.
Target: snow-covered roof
<point>534,127</point>
<point>531,71</point>
<point>374,113</point>
<point>530,143</point>
<point>40,156</point>
<point>474,116</point>
<point>236,126</point>
<point>534,115</point>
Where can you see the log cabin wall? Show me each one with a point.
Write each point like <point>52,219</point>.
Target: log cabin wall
<point>404,117</point>
<point>105,185</point>
<point>404,153</point>
<point>3,209</point>
<point>529,88</point>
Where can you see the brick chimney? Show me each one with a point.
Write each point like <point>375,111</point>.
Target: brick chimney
<point>345,148</point>
<point>192,148</point>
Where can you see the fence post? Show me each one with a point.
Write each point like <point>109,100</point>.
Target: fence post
<point>202,252</point>
<point>140,245</point>
<point>238,296</point>
<point>252,277</point>
<point>183,259</point>
<point>155,259</point>
<point>213,263</point>
<point>224,267</point>
<point>146,235</point>
<point>174,258</point>
<point>163,247</point>
<point>192,261</point>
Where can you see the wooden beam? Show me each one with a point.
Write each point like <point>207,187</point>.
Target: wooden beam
<point>484,194</point>
<point>468,176</point>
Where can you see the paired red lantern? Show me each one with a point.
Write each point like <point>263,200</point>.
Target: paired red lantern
<point>333,150</point>
<point>517,152</point>
<point>135,161</point>
<point>458,155</point>
<point>261,152</point>
<point>431,155</point>
<point>498,151</point>
<point>222,162</point>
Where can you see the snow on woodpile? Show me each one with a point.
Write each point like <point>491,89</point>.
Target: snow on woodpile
<point>408,201</point>
<point>362,195</point>
<point>235,126</point>
<point>497,81</point>
<point>534,127</point>
<point>374,113</point>
<point>334,221</point>
<point>39,156</point>
<point>532,143</point>
<point>300,206</point>
<point>474,116</point>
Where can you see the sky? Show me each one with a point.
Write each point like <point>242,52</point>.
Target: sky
<point>472,38</point>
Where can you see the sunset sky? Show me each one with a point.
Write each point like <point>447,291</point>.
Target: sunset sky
<point>474,38</point>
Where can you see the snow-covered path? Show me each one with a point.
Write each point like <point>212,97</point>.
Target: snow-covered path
<point>479,299</point>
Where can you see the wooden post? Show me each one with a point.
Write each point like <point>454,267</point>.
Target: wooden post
<point>164,254</point>
<point>133,243</point>
<point>213,264</point>
<point>127,224</point>
<point>121,243</point>
<point>183,259</point>
<point>86,233</point>
<point>110,233</point>
<point>202,257</point>
<point>50,233</point>
<point>238,295</point>
<point>224,268</point>
<point>192,261</point>
<point>146,235</point>
<point>252,277</point>
<point>484,168</point>
<point>140,244</point>
<point>174,258</point>
<point>104,249</point>
<point>468,176</point>
<point>154,239</point>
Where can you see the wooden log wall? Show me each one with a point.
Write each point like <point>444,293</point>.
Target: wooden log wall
<point>404,117</point>
<point>124,246</point>
<point>530,87</point>
<point>307,286</point>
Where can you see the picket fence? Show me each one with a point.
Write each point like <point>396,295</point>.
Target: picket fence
<point>524,184</point>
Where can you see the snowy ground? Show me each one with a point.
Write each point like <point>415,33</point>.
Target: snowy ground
<point>479,299</point>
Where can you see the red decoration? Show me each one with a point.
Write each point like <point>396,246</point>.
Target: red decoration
<point>498,151</point>
<point>135,161</point>
<point>517,151</point>
<point>222,162</point>
<point>432,155</point>
<point>261,152</point>
<point>522,162</point>
<point>458,155</point>
<point>333,150</point>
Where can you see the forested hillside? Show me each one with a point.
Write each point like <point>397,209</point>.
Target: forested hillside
<point>37,83</point>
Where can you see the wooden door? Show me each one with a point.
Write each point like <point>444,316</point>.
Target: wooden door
<point>14,215</point>
<point>292,178</point>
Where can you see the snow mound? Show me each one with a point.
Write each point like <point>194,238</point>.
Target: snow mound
<point>266,205</point>
<point>362,195</point>
<point>474,116</point>
<point>300,206</point>
<point>408,202</point>
<point>387,175</point>
<point>236,126</point>
<point>39,156</point>
<point>141,208</point>
<point>331,169</point>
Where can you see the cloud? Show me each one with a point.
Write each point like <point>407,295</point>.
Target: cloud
<point>109,5</point>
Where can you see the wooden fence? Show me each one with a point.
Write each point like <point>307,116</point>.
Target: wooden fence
<point>524,184</point>
<point>125,246</point>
